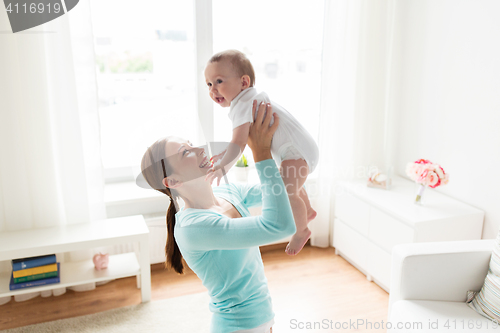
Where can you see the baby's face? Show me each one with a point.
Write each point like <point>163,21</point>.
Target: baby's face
<point>223,82</point>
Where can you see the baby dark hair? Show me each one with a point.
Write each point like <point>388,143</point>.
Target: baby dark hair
<point>239,62</point>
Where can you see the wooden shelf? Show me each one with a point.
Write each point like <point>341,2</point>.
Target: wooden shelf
<point>81,272</point>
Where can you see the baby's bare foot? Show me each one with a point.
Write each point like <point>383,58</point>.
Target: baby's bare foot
<point>311,215</point>
<point>299,239</point>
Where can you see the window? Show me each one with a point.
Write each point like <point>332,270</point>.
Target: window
<point>146,56</point>
<point>283,40</point>
<point>145,53</point>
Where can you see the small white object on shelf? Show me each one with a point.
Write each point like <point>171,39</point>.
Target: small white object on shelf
<point>369,223</point>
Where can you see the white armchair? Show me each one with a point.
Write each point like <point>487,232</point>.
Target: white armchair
<point>429,285</point>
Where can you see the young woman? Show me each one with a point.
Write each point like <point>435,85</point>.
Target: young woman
<point>214,231</point>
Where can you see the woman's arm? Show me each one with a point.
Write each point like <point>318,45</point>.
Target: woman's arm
<point>251,194</point>
<point>209,230</point>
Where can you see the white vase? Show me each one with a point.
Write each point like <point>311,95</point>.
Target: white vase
<point>240,174</point>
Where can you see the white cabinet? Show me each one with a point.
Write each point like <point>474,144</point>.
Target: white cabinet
<point>369,222</point>
<point>74,237</point>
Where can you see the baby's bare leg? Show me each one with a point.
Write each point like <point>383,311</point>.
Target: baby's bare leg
<point>311,213</point>
<point>294,174</point>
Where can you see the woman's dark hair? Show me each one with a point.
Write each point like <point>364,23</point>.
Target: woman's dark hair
<point>155,168</point>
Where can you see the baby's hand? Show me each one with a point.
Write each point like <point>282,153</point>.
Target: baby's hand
<point>217,157</point>
<point>215,172</point>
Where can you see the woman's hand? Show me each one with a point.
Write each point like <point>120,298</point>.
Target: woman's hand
<point>261,134</point>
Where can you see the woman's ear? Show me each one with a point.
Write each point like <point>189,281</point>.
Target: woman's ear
<point>245,81</point>
<point>171,182</point>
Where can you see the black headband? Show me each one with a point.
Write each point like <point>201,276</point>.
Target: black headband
<point>163,165</point>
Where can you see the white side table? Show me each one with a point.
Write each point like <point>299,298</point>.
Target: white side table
<point>43,241</point>
<point>370,221</point>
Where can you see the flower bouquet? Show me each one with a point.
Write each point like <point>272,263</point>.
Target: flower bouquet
<point>425,173</point>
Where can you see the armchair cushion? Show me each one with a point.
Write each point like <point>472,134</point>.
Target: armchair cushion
<point>439,271</point>
<point>437,316</point>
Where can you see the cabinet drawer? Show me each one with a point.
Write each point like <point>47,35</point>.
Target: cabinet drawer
<point>379,265</point>
<point>353,212</point>
<point>350,243</point>
<point>386,231</point>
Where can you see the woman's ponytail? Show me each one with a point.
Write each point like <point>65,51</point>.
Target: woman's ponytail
<point>155,168</point>
<point>174,256</point>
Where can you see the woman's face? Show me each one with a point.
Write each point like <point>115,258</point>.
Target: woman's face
<point>187,162</point>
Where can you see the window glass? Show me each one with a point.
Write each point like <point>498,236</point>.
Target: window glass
<point>145,55</point>
<point>283,40</point>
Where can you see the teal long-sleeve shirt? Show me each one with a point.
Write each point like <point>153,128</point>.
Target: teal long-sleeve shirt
<point>224,252</point>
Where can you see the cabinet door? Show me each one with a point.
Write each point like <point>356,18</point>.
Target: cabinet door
<point>350,243</point>
<point>386,231</point>
<point>352,211</point>
<point>379,265</point>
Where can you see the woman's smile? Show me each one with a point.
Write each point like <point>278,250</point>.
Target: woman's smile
<point>205,163</point>
<point>190,161</point>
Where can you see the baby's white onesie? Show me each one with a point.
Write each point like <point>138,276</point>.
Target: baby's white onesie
<point>290,132</point>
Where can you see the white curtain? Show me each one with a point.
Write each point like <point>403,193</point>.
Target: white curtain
<point>353,103</point>
<point>50,166</point>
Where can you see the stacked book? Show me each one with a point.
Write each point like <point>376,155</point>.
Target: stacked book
<point>34,271</point>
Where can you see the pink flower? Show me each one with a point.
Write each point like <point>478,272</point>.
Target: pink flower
<point>413,170</point>
<point>422,161</point>
<point>433,179</point>
<point>439,171</point>
<point>427,173</point>
<point>429,166</point>
<point>422,178</point>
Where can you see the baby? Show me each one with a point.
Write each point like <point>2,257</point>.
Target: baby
<point>230,78</point>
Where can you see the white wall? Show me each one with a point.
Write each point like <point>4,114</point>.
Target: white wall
<point>446,92</point>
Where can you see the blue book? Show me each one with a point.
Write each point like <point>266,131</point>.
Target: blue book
<point>24,263</point>
<point>35,283</point>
